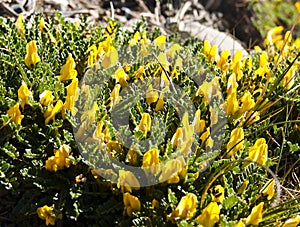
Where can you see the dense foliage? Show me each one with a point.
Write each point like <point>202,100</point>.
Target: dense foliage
<point>214,135</point>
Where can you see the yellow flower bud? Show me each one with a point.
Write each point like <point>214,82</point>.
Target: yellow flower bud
<point>127,181</point>
<point>15,114</point>
<point>236,142</point>
<point>259,151</point>
<point>160,42</point>
<point>52,111</point>
<point>20,24</point>
<point>145,123</point>
<point>151,95</point>
<point>71,96</point>
<point>31,57</point>
<point>46,213</point>
<point>121,77</point>
<point>131,204</point>
<point>186,208</point>
<point>68,71</point>
<point>23,94</point>
<point>269,189</point>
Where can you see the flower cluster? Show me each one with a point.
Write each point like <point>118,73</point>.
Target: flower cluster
<point>60,159</point>
<point>203,127</point>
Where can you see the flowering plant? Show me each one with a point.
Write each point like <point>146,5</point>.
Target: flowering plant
<point>209,145</point>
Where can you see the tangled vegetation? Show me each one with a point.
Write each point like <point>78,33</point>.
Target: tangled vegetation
<point>215,136</point>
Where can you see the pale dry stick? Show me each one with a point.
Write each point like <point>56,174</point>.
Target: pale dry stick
<point>157,12</point>
<point>8,10</point>
<point>143,6</point>
<point>183,10</point>
<point>112,10</point>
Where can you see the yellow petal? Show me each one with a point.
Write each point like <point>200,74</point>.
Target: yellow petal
<point>269,190</point>
<point>209,216</point>
<point>145,123</point>
<point>31,57</point>
<point>68,71</point>
<point>160,42</point>
<point>256,215</point>
<point>23,94</point>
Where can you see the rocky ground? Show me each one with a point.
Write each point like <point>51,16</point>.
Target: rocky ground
<point>231,16</point>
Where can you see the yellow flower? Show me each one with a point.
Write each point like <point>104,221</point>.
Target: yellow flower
<point>240,224</point>
<point>80,179</point>
<point>172,170</point>
<point>15,114</point>
<point>160,103</point>
<point>259,151</point>
<point>288,79</point>
<point>297,6</point>
<point>110,57</point>
<point>210,52</point>
<point>223,62</point>
<point>46,98</point>
<point>31,57</point>
<point>236,142</point>
<point>256,215</point>
<point>160,42</point>
<point>121,77</point>
<point>263,59</point>
<point>135,39</point>
<point>236,64</point>
<point>247,102</point>
<point>68,71</point>
<point>127,181</point>
<point>231,84</point>
<point>145,123</point>
<point>155,204</point>
<point>52,111</point>
<point>20,25</point>
<point>71,96</point>
<point>132,156</point>
<point>198,124</point>
<point>217,194</point>
<point>151,95</point>
<point>175,48</point>
<point>60,159</point>
<point>23,94</point>
<point>177,139</point>
<point>151,158</point>
<point>113,146</point>
<point>294,221</point>
<point>210,215</point>
<point>186,208</point>
<point>42,24</point>
<point>205,137</point>
<point>131,204</point>
<point>46,213</point>
<point>99,133</point>
<point>273,36</point>
<point>269,189</point>
<point>114,96</point>
<point>232,105</point>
